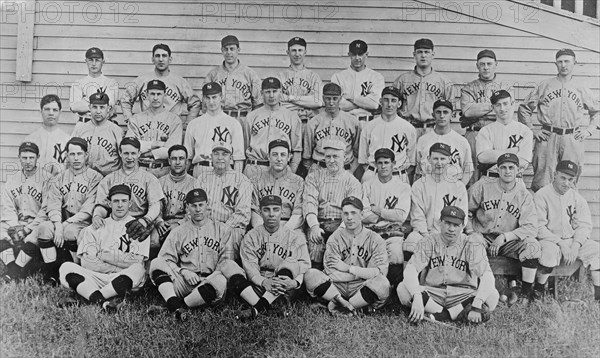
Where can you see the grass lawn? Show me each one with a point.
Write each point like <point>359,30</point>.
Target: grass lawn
<point>31,325</point>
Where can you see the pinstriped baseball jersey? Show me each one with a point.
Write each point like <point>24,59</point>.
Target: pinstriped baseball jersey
<point>145,190</point>
<point>22,197</point>
<point>497,211</point>
<point>289,188</point>
<point>304,82</point>
<point>266,125</point>
<point>428,198</point>
<point>500,136</point>
<point>365,86</point>
<point>261,250</point>
<point>420,92</point>
<point>322,127</point>
<point>241,86</point>
<point>53,148</point>
<point>150,127</point>
<point>175,190</point>
<point>83,88</point>
<point>229,197</point>
<point>179,95</point>
<point>460,161</point>
<point>392,197</point>
<point>198,249</point>
<point>450,264</point>
<point>203,132</point>
<point>478,93</point>
<point>103,144</point>
<point>324,192</point>
<point>397,135</point>
<point>73,194</point>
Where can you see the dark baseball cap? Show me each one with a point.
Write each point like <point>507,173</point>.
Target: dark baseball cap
<point>230,40</point>
<point>498,95</point>
<point>99,98</point>
<point>358,47</point>
<point>270,200</point>
<point>442,103</point>
<point>195,195</point>
<point>29,147</point>
<point>296,41</point>
<point>94,52</point>
<point>332,89</point>
<point>119,189</point>
<point>453,214</point>
<point>508,157</point>
<point>161,47</point>
<point>79,142</point>
<point>384,153</point>
<point>134,142</point>
<point>279,143</point>
<point>391,90</point>
<point>354,201</point>
<point>211,88</point>
<point>156,85</point>
<point>271,83</point>
<point>486,53</point>
<point>565,51</point>
<point>424,43</point>
<point>568,167</point>
<point>442,148</point>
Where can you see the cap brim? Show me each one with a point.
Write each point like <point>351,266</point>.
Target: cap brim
<point>453,220</point>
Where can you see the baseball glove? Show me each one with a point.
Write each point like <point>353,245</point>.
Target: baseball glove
<point>137,231</point>
<point>485,313</point>
<point>17,233</point>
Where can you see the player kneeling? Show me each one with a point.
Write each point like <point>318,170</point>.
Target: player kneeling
<point>356,265</point>
<point>186,269</point>
<point>112,264</point>
<point>275,259</point>
<point>457,281</point>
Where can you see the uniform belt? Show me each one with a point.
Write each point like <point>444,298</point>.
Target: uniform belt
<point>395,172</point>
<point>152,165</point>
<point>426,124</point>
<point>366,118</point>
<point>258,162</point>
<point>204,163</point>
<point>324,165</point>
<point>558,130</point>
<point>236,113</point>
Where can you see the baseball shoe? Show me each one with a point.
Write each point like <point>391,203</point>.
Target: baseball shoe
<point>341,302</point>
<point>69,302</point>
<point>51,280</point>
<point>112,305</point>
<point>155,310</point>
<point>336,310</point>
<point>182,314</point>
<point>318,306</point>
<point>247,314</point>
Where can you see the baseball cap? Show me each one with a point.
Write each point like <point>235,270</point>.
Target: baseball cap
<point>453,214</point>
<point>354,201</point>
<point>211,88</point>
<point>565,51</point>
<point>486,53</point>
<point>498,95</point>
<point>424,43</point>
<point>99,98</point>
<point>296,41</point>
<point>270,200</point>
<point>229,40</point>
<point>442,148</point>
<point>94,52</point>
<point>279,143</point>
<point>29,147</point>
<point>156,84</point>
<point>79,142</point>
<point>195,195</point>
<point>271,83</point>
<point>384,153</point>
<point>442,102</point>
<point>332,89</point>
<point>391,90</point>
<point>508,157</point>
<point>134,142</point>
<point>161,47</point>
<point>568,167</point>
<point>358,47</point>
<point>334,144</point>
<point>222,146</point>
<point>119,189</point>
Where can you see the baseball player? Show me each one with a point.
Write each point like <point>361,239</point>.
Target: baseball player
<point>387,205</point>
<point>94,82</point>
<point>179,95</point>
<point>274,258</point>
<point>229,194</point>
<point>561,104</point>
<point>212,127</point>
<point>324,191</point>
<point>112,263</point>
<point>157,130</point>
<point>505,135</point>
<point>21,203</point>
<point>146,193</point>
<point>103,136</point>
<point>186,270</point>
<point>430,195</point>
<point>331,124</point>
<point>240,83</point>
<point>269,122</point>
<point>69,205</point>
<point>456,281</point>
<point>477,110</point>
<point>504,218</point>
<point>356,263</point>
<point>175,186</point>
<point>281,181</point>
<point>460,161</point>
<point>51,140</point>
<point>360,85</point>
<point>421,87</point>
<point>389,131</point>
<point>565,226</point>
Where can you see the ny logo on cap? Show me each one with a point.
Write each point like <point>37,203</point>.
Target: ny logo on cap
<point>296,39</point>
<point>93,50</point>
<point>358,44</point>
<point>271,80</point>
<point>452,212</point>
<point>196,193</point>
<point>570,166</point>
<point>208,86</point>
<point>155,82</point>
<point>497,93</point>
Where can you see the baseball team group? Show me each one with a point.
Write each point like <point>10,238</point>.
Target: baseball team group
<point>354,192</point>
